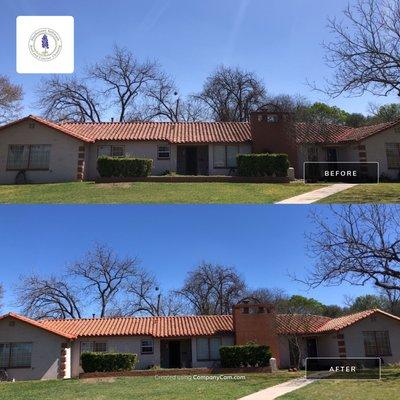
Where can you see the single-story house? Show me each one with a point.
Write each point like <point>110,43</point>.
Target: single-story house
<point>51,348</point>
<point>59,152</point>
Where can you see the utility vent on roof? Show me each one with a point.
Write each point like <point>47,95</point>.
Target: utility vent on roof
<point>31,125</point>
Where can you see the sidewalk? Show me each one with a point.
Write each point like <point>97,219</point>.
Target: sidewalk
<point>278,390</point>
<point>316,195</point>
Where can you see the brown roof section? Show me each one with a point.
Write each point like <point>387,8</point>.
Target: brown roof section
<point>329,133</point>
<point>158,327</point>
<point>57,127</point>
<point>182,132</point>
<point>313,324</point>
<point>38,324</point>
<point>297,323</point>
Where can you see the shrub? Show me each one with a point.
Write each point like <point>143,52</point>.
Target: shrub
<point>249,355</point>
<point>123,166</point>
<point>107,362</point>
<point>262,164</point>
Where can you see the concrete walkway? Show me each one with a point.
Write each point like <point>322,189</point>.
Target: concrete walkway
<point>274,392</point>
<point>316,195</point>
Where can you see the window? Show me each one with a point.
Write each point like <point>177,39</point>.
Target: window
<point>97,347</point>
<point>32,157</point>
<point>208,348</point>
<point>225,156</point>
<point>377,343</point>
<point>15,355</point>
<point>312,153</point>
<point>111,151</point>
<point>146,346</point>
<point>163,152</point>
<point>272,118</point>
<point>393,155</point>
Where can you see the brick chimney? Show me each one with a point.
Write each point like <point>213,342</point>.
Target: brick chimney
<point>272,131</point>
<point>256,322</point>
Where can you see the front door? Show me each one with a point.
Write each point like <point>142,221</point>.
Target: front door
<point>312,347</point>
<point>174,356</point>
<point>192,160</point>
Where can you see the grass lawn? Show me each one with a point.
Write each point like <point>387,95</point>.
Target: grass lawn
<point>386,389</point>
<point>141,388</point>
<point>377,193</point>
<point>152,192</point>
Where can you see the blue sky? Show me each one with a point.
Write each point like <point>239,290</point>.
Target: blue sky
<point>278,39</point>
<point>264,243</point>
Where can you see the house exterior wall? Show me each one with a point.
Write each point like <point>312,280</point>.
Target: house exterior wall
<point>149,150</point>
<point>140,149</point>
<point>354,341</point>
<point>63,154</point>
<point>122,344</point>
<point>228,340</point>
<point>46,350</point>
<point>376,150</point>
<point>344,153</point>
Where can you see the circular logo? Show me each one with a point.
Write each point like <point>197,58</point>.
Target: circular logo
<point>45,44</point>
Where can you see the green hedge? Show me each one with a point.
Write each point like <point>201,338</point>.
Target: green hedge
<point>107,362</point>
<point>262,164</point>
<point>123,166</point>
<point>249,355</point>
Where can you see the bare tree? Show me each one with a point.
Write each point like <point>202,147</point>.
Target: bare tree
<point>1,296</point>
<point>10,100</point>
<point>104,274</point>
<point>65,99</point>
<point>358,245</point>
<point>276,297</point>
<point>48,298</point>
<point>144,296</point>
<point>212,289</point>
<point>164,103</point>
<point>124,79</point>
<point>232,93</point>
<point>365,53</point>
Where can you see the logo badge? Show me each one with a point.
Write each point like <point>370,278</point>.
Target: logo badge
<point>45,44</point>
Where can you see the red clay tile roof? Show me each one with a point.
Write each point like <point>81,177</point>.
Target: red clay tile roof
<point>183,132</point>
<point>297,323</point>
<point>336,324</point>
<point>58,127</point>
<point>329,133</point>
<point>38,324</point>
<point>184,326</point>
<point>158,327</point>
<point>202,132</point>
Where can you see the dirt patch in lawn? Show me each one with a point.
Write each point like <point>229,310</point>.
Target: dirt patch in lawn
<point>98,380</point>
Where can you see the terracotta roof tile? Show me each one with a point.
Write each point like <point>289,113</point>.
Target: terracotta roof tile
<point>158,327</point>
<point>184,326</point>
<point>298,323</point>
<point>329,133</point>
<point>183,132</point>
